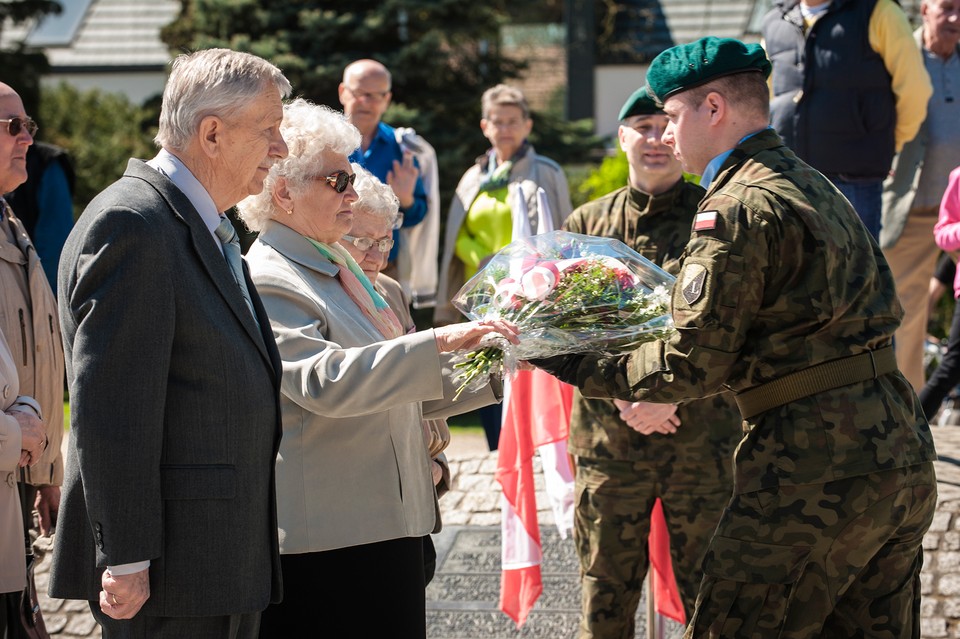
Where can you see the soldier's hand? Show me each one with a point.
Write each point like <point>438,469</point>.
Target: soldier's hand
<point>647,418</point>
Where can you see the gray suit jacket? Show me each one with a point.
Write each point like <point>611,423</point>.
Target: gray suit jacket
<point>175,409</point>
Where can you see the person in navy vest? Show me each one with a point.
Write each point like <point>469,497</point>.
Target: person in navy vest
<point>849,90</point>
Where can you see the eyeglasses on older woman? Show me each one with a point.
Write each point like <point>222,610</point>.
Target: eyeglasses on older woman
<point>364,243</point>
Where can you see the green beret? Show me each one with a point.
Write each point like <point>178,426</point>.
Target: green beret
<point>686,66</point>
<point>639,103</point>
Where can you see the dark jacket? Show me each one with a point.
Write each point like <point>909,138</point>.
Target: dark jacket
<point>176,417</point>
<point>832,97</point>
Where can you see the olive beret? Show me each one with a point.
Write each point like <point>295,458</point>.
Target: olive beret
<point>639,103</point>
<point>686,66</point>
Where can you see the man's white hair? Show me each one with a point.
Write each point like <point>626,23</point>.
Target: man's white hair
<point>211,82</point>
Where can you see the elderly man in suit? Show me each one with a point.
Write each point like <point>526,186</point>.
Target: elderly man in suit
<point>168,520</point>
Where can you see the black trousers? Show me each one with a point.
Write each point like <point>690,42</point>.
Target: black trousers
<point>9,614</point>
<point>373,590</point>
<point>239,626</point>
<point>947,374</point>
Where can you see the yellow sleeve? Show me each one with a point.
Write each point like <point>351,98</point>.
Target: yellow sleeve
<point>892,38</point>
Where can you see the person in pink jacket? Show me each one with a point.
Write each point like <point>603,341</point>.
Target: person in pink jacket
<point>947,234</point>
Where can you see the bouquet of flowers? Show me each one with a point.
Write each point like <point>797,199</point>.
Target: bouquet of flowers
<point>568,293</point>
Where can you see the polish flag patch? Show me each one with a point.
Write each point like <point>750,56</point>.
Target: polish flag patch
<point>705,221</point>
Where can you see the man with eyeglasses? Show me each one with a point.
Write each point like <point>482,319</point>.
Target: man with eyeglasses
<point>28,315</point>
<point>405,161</point>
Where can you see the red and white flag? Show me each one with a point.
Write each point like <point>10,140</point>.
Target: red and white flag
<point>536,413</point>
<point>666,594</point>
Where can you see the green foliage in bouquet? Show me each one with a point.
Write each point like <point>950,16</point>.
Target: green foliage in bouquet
<point>566,304</point>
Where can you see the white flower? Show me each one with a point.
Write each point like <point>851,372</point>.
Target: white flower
<point>539,281</point>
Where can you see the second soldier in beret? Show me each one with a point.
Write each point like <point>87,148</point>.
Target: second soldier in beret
<point>784,298</point>
<point>631,453</point>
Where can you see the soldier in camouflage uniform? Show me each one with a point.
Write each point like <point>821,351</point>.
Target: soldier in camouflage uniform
<point>784,298</point>
<point>630,453</point>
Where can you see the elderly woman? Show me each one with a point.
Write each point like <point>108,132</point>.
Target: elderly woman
<point>22,440</point>
<point>486,205</point>
<point>374,217</point>
<point>354,488</point>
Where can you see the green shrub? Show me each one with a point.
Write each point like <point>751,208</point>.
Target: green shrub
<point>100,130</point>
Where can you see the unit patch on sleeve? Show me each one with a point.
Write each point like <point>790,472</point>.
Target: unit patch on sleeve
<point>694,276</point>
<point>705,221</point>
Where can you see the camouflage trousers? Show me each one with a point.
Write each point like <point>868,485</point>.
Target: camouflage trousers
<point>840,559</point>
<point>611,524</point>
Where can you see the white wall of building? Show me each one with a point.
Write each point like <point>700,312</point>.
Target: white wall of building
<point>137,87</point>
<point>613,84</point>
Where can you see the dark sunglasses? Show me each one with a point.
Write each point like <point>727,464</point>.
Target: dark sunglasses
<point>18,124</point>
<point>339,180</point>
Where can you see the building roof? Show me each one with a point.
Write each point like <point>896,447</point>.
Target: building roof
<point>101,35</point>
<point>635,31</point>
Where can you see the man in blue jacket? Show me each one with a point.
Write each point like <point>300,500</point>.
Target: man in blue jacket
<point>365,94</point>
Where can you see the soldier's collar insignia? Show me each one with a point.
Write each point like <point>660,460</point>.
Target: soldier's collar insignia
<point>705,221</point>
<point>692,280</point>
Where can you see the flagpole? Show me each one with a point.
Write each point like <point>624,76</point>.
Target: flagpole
<point>654,620</point>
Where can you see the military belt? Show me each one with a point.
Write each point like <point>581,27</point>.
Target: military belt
<point>816,379</point>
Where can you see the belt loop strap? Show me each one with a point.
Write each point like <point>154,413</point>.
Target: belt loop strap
<point>822,377</point>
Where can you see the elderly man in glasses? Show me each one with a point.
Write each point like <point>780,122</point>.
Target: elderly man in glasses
<point>405,161</point>
<point>168,524</point>
<point>28,315</point>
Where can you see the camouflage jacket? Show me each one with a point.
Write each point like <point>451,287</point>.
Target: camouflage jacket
<point>779,275</point>
<point>658,228</point>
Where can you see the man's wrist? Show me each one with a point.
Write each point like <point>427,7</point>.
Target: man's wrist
<point>28,404</point>
<point>128,569</point>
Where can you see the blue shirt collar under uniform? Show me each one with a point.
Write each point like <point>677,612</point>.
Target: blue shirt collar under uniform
<point>713,167</point>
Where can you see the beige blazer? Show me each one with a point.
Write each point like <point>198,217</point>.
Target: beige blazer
<point>352,467</point>
<point>13,570</point>
<point>436,433</point>
<point>29,320</point>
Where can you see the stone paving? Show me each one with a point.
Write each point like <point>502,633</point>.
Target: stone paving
<point>462,600</point>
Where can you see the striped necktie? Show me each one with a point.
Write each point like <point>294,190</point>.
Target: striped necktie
<point>231,252</point>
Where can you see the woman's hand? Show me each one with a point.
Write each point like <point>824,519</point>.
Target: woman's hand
<point>33,437</point>
<point>464,337</point>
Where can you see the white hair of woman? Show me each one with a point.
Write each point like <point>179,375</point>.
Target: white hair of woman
<point>311,131</point>
<point>211,82</point>
<point>374,197</point>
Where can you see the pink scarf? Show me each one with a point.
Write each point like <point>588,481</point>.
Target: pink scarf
<point>358,287</point>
